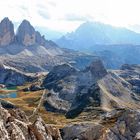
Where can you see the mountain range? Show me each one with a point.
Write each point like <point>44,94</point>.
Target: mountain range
<point>115,46</point>
<point>75,95</point>
<point>95,33</point>
<point>29,51</point>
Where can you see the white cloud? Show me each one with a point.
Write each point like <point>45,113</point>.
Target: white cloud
<point>66,15</point>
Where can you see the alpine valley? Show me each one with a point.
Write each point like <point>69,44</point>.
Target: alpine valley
<point>84,86</point>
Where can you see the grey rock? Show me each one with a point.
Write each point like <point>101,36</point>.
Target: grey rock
<point>15,124</point>
<point>119,125</point>
<point>40,39</point>
<point>81,131</point>
<point>54,104</point>
<point>7,35</point>
<point>137,137</point>
<point>70,85</point>
<point>26,34</point>
<point>97,69</point>
<point>12,77</point>
<point>128,125</point>
<point>91,90</point>
<point>131,73</point>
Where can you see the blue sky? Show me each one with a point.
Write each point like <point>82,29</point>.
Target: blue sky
<point>67,15</point>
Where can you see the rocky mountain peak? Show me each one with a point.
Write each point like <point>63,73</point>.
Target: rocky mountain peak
<point>97,69</point>
<point>6,32</point>
<point>59,72</point>
<point>27,36</point>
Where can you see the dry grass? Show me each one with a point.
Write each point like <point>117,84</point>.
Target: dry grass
<point>4,91</point>
<point>28,101</point>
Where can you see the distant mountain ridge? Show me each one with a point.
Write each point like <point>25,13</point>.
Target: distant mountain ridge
<point>95,33</point>
<point>115,46</point>
<point>27,50</point>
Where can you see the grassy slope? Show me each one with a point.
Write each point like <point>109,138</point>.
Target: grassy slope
<point>28,101</point>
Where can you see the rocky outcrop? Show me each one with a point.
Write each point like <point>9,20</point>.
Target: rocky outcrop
<point>126,127</point>
<point>97,69</point>
<point>12,77</point>
<point>85,100</point>
<point>119,124</point>
<point>40,39</point>
<point>92,90</point>
<point>27,36</point>
<point>87,131</point>
<point>53,103</point>
<point>6,32</point>
<point>115,125</point>
<point>62,75</point>
<point>7,104</point>
<point>131,73</point>
<point>15,125</point>
<point>79,88</point>
<point>58,73</point>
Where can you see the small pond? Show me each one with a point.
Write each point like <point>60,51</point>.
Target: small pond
<point>10,94</point>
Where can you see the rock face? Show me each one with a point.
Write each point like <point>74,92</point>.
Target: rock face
<point>27,35</point>
<point>15,125</point>
<point>92,90</point>
<point>40,39</point>
<point>97,69</point>
<point>115,125</point>
<point>131,73</point>
<point>12,77</point>
<point>58,73</point>
<point>87,131</point>
<point>79,88</point>
<point>6,32</point>
<point>120,124</point>
<point>54,104</point>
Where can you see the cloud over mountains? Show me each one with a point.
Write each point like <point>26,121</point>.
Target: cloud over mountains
<point>67,15</point>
